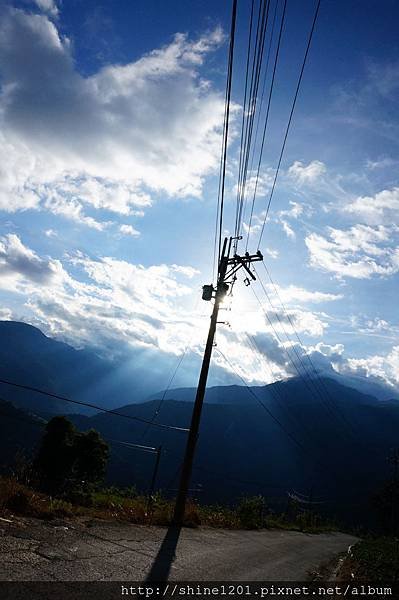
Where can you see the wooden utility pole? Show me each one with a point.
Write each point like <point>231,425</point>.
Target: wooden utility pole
<point>227,270</point>
<point>153,479</point>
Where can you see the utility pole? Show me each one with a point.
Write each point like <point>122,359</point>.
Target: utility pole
<point>153,479</point>
<point>227,269</point>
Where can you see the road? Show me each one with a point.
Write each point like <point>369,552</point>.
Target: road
<point>34,550</point>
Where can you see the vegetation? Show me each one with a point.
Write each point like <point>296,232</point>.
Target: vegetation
<point>374,559</point>
<point>65,480</point>
<point>127,505</point>
<point>70,464</point>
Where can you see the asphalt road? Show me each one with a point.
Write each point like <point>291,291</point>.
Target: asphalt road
<point>33,550</point>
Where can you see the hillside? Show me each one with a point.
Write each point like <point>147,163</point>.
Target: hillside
<point>28,356</point>
<point>339,453</point>
<point>320,438</point>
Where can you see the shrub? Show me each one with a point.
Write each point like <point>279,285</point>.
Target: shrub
<point>250,512</point>
<point>70,463</point>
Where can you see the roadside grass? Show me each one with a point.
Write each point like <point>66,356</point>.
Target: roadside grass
<point>374,559</point>
<point>127,505</point>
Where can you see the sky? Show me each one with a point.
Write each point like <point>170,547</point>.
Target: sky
<point>110,127</point>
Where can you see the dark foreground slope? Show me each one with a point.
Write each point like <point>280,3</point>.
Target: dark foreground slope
<point>332,447</point>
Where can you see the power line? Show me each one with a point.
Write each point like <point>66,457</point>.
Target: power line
<point>90,405</point>
<point>252,105</point>
<point>244,103</point>
<point>305,376</point>
<point>275,392</point>
<point>312,365</point>
<point>323,467</point>
<point>266,119</point>
<point>227,116</point>
<point>290,119</point>
<point>37,423</point>
<point>158,408</point>
<point>275,419</point>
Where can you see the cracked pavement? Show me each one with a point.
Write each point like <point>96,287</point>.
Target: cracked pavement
<point>87,550</point>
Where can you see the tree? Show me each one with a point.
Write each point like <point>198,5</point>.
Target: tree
<point>68,459</point>
<point>56,454</point>
<point>91,456</point>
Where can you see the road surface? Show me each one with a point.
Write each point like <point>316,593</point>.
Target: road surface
<point>34,550</point>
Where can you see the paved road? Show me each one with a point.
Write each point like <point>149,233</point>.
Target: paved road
<point>33,550</point>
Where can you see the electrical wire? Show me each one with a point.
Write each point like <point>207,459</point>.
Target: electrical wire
<point>305,376</point>
<point>266,121</point>
<point>289,120</point>
<point>310,361</point>
<point>222,178</point>
<point>275,419</point>
<point>163,398</point>
<point>90,405</point>
<point>255,79</point>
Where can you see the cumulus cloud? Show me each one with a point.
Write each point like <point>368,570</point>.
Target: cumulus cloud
<point>128,230</point>
<point>107,302</point>
<point>307,174</point>
<point>20,265</point>
<point>48,6</point>
<point>382,208</point>
<point>358,252</point>
<point>106,141</point>
<point>116,305</point>
<point>384,368</point>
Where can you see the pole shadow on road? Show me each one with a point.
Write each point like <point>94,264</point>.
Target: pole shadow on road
<point>166,554</point>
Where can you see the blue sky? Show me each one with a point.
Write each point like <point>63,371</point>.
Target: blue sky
<point>110,126</point>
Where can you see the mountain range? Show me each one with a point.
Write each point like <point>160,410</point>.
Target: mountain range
<point>313,437</point>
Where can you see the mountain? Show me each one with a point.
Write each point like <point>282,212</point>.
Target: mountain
<point>20,433</point>
<point>29,357</point>
<point>333,447</point>
<point>317,437</point>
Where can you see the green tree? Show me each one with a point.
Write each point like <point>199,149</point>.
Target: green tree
<point>91,456</point>
<point>56,454</point>
<point>68,460</point>
<point>251,512</point>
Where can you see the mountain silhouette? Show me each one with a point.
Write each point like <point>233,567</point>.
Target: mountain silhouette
<point>317,437</point>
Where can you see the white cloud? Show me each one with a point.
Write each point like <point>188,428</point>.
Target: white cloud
<point>48,6</point>
<point>129,230</point>
<point>383,368</point>
<point>261,184</point>
<point>21,267</point>
<point>294,212</point>
<point>50,233</point>
<point>290,233</point>
<point>106,141</point>
<point>381,208</point>
<point>307,174</point>
<point>6,314</point>
<point>112,302</point>
<point>359,252</point>
<point>294,293</point>
<point>272,253</point>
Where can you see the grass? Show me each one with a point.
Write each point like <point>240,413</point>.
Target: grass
<point>128,505</point>
<point>374,559</point>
